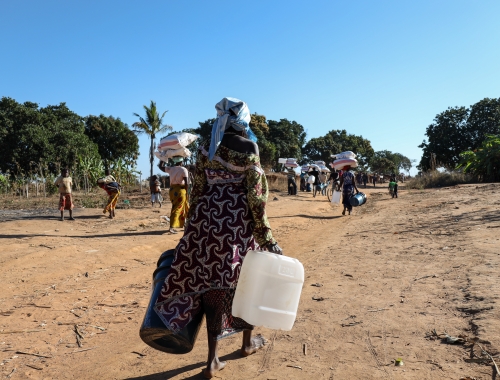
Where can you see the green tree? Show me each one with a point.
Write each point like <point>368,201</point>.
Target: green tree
<point>32,137</point>
<point>385,161</point>
<point>457,130</point>
<point>337,141</point>
<point>484,162</point>
<point>151,125</point>
<point>288,137</point>
<point>115,141</point>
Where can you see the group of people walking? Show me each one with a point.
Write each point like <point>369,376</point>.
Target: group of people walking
<point>108,183</point>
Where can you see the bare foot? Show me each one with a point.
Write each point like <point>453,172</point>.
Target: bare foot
<point>215,367</point>
<point>257,342</point>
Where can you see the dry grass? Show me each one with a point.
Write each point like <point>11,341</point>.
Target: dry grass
<point>130,198</point>
<point>437,179</point>
<point>277,182</point>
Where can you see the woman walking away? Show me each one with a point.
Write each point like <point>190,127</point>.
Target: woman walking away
<point>348,186</point>
<point>292,186</point>
<point>64,184</point>
<point>179,182</point>
<point>317,184</point>
<point>155,189</point>
<point>112,187</point>
<point>227,218</point>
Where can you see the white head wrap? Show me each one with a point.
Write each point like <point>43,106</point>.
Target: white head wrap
<point>231,112</point>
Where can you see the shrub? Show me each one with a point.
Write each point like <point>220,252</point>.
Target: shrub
<point>438,179</point>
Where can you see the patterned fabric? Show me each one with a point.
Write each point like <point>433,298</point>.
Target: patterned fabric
<point>65,202</point>
<point>112,200</point>
<point>347,189</point>
<point>291,173</point>
<point>227,218</point>
<point>180,206</point>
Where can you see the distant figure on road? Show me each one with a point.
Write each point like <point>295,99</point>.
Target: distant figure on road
<point>64,183</point>
<point>179,183</point>
<point>393,188</point>
<point>112,187</point>
<point>155,189</point>
<point>365,179</point>
<point>348,185</point>
<point>374,179</point>
<point>292,186</point>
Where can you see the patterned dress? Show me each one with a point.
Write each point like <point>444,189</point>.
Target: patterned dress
<point>227,218</point>
<point>347,189</point>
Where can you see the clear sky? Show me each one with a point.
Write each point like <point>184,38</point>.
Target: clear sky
<point>380,69</point>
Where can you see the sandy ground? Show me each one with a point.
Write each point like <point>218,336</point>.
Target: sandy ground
<point>389,274</point>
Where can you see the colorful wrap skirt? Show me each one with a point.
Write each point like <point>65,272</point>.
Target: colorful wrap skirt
<point>65,201</point>
<point>180,206</point>
<point>112,200</point>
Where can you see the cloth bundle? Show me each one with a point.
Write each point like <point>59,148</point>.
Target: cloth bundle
<point>176,141</point>
<point>175,146</point>
<point>343,159</point>
<point>106,180</point>
<point>291,163</point>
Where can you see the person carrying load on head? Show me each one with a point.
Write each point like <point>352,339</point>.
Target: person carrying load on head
<point>155,189</point>
<point>64,184</point>
<point>334,179</point>
<point>292,186</point>
<point>112,187</point>
<point>227,218</point>
<point>317,182</point>
<point>179,183</point>
<point>290,166</point>
<point>348,185</point>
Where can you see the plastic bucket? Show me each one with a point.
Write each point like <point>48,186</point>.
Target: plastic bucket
<point>153,331</point>
<point>357,199</point>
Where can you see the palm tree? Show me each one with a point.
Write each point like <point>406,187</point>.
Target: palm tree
<point>151,125</point>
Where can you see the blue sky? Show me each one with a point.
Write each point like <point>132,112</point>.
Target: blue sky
<point>380,69</point>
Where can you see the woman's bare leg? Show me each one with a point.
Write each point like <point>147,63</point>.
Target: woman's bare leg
<point>213,363</point>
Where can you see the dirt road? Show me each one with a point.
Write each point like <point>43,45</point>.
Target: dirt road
<point>387,276</point>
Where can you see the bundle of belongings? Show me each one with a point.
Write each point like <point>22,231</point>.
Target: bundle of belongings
<point>291,163</point>
<point>175,146</point>
<point>322,166</point>
<point>109,183</point>
<point>343,159</point>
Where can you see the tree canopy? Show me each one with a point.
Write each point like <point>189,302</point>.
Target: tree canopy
<point>151,125</point>
<point>34,137</point>
<point>337,141</point>
<point>459,129</point>
<point>115,141</point>
<point>385,161</point>
<point>41,140</point>
<point>484,162</point>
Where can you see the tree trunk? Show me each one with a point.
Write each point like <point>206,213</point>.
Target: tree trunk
<point>151,157</point>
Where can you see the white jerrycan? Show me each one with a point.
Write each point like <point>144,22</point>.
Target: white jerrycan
<point>268,290</point>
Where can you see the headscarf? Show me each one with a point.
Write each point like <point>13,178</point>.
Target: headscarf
<point>226,119</point>
<point>177,159</point>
